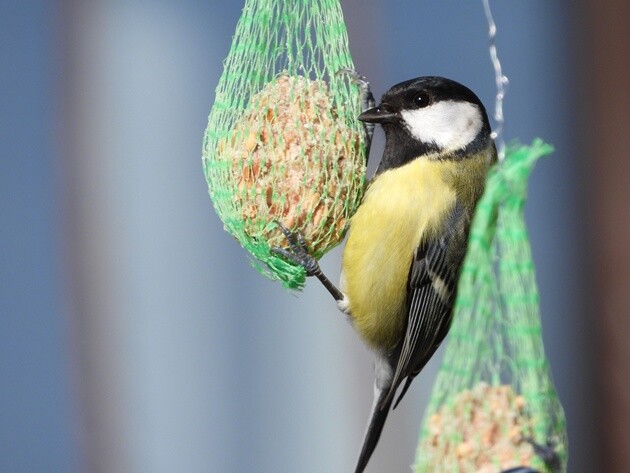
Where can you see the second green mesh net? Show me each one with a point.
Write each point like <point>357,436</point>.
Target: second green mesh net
<point>494,406</point>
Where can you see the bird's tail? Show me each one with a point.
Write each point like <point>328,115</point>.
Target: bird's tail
<point>378,415</point>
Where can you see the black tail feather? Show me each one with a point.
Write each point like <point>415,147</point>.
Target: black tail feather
<point>378,415</point>
<point>404,390</point>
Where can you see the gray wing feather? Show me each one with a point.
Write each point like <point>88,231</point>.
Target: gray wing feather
<point>430,296</point>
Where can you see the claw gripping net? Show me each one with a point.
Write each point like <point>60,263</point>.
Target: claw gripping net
<point>494,405</point>
<point>283,143</point>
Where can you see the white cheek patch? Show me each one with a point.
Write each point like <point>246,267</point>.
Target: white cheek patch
<point>450,125</point>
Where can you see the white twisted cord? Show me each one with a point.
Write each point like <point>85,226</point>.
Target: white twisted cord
<point>502,83</point>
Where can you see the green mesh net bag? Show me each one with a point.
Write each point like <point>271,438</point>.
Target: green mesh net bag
<point>494,406</point>
<point>283,143</point>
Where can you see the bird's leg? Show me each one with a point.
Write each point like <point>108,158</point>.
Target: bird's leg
<point>298,254</point>
<point>367,101</point>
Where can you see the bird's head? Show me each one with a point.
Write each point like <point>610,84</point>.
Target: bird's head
<point>430,115</point>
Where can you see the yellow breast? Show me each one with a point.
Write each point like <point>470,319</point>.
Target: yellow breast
<point>401,207</point>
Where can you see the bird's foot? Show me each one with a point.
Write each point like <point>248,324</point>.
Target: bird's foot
<point>297,252</point>
<point>367,98</point>
<point>367,101</point>
<point>521,469</point>
<point>547,453</point>
<point>299,255</point>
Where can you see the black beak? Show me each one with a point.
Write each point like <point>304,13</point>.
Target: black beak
<point>380,114</point>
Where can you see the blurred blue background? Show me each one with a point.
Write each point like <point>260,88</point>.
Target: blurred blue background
<point>134,335</point>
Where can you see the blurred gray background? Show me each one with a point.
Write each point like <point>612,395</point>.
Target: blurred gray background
<point>134,335</point>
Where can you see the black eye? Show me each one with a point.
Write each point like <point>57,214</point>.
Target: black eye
<point>422,100</point>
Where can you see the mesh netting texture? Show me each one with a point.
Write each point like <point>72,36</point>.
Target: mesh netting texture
<point>283,143</point>
<point>494,399</point>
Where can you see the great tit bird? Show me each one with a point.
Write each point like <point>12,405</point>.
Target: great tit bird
<point>408,238</point>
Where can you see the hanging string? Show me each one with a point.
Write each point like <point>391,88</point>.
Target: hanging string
<point>501,82</point>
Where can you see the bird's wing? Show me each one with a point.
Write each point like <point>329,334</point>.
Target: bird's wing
<point>430,296</point>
